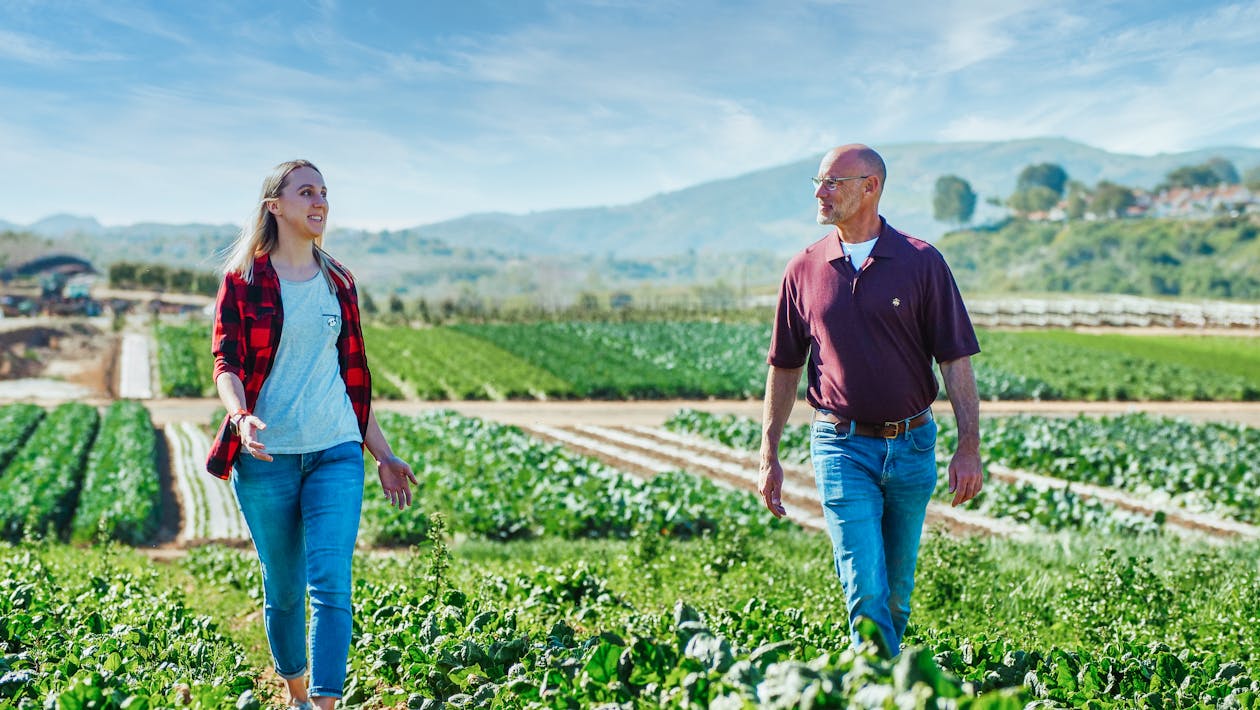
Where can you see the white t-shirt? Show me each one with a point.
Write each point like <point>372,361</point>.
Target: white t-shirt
<point>858,253</point>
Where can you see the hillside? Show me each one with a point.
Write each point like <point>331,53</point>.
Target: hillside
<point>1152,257</point>
<point>774,208</point>
<point>737,230</point>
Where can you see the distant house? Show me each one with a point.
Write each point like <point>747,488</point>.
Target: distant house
<point>1192,202</point>
<point>1177,203</point>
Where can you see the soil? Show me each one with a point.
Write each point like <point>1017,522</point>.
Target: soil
<point>56,359</point>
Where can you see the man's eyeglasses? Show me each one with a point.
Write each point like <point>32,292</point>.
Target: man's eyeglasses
<point>832,183</point>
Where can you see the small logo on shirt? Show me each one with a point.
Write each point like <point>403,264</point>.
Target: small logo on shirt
<point>332,320</point>
<point>896,303</point>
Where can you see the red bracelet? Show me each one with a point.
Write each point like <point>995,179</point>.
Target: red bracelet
<point>233,417</point>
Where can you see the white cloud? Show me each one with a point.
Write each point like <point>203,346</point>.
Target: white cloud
<point>137,19</point>
<point>33,50</point>
<point>539,114</point>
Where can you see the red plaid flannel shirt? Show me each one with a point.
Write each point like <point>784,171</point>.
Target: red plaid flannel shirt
<point>247,322</point>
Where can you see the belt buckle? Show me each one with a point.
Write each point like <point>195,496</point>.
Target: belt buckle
<point>890,430</point>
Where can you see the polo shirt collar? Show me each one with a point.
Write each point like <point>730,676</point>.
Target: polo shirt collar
<point>885,248</point>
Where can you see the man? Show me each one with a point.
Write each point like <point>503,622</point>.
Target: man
<point>866,309</point>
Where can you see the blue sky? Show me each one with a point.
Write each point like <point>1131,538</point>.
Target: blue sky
<point>419,111</point>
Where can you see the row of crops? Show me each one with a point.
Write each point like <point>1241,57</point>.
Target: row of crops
<point>71,474</point>
<point>573,585</point>
<point>727,360</point>
<point>550,623</point>
<point>102,628</point>
<point>495,482</point>
<point>183,359</point>
<point>1204,467</point>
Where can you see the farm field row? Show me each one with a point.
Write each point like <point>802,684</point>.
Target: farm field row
<point>727,360</point>
<point>1120,473</point>
<point>1210,471</point>
<point>576,585</point>
<point>70,473</point>
<point>731,619</point>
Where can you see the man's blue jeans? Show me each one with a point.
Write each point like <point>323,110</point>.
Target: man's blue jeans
<point>874,495</point>
<point>303,513</point>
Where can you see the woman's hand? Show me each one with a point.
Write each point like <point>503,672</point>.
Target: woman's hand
<point>248,427</point>
<point>396,479</point>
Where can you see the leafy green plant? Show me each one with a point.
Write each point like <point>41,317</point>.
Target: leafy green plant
<point>40,488</point>
<point>183,358</point>
<point>17,421</point>
<point>84,631</point>
<point>121,497</point>
<point>494,481</point>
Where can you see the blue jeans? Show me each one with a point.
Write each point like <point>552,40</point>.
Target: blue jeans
<point>874,495</point>
<point>303,514</point>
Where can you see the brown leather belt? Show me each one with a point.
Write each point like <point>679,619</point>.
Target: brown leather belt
<point>887,430</point>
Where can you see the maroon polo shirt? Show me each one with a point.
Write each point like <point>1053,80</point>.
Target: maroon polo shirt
<point>870,336</point>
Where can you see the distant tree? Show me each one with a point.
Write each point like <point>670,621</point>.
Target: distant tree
<point>424,312</point>
<point>1046,175</point>
<point>1251,178</point>
<point>1110,199</point>
<point>587,302</point>
<point>396,305</point>
<point>153,276</point>
<point>1077,201</point>
<point>1077,204</point>
<point>1037,198</point>
<point>954,200</point>
<point>207,283</point>
<point>1224,170</point>
<point>366,304</point>
<point>181,280</point>
<point>122,274</point>
<point>1192,176</point>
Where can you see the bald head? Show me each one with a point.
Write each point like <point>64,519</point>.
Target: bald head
<point>849,184</point>
<point>854,159</point>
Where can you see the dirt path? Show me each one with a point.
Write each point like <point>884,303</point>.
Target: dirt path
<point>135,379</point>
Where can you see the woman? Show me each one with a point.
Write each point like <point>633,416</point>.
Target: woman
<point>290,367</point>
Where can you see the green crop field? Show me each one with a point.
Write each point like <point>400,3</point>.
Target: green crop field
<point>1068,365</point>
<point>702,359</point>
<point>1232,355</point>
<point>530,576</point>
<point>183,359</point>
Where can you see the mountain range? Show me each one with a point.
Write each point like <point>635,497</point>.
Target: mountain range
<point>768,211</point>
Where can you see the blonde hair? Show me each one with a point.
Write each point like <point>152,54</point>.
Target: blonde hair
<point>261,234</point>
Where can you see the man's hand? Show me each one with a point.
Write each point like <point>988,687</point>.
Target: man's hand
<point>966,473</point>
<point>771,486</point>
<point>966,476</point>
<point>780,396</point>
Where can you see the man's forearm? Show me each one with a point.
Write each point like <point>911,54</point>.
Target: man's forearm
<point>960,385</point>
<point>780,396</point>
